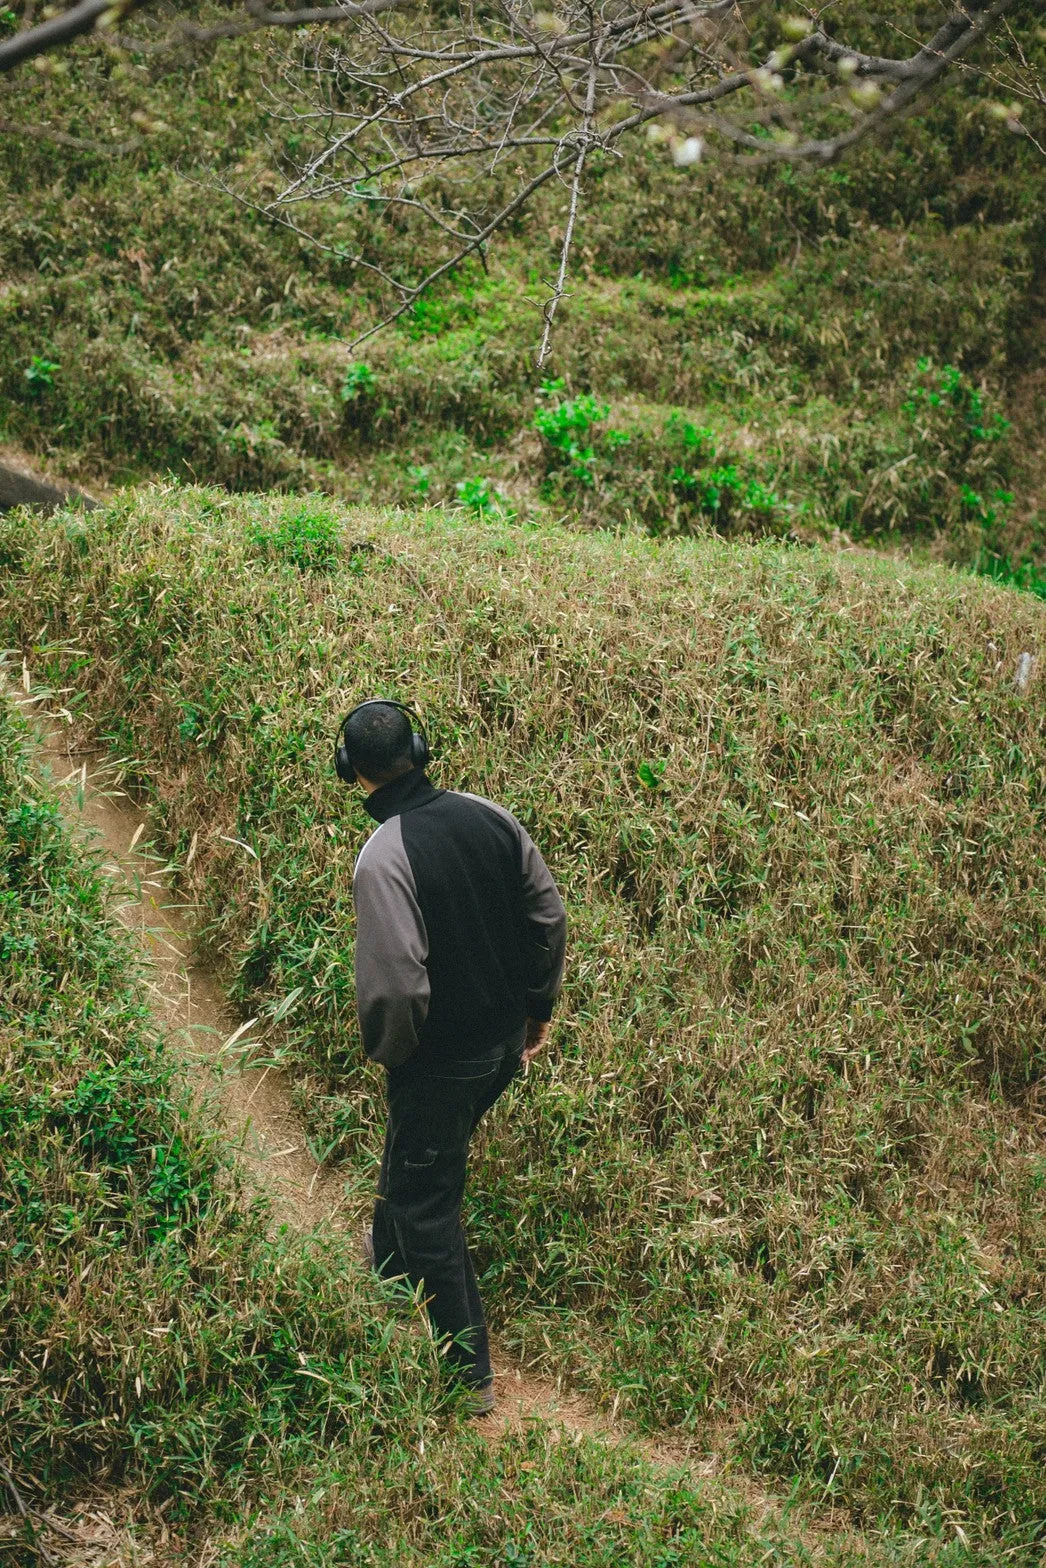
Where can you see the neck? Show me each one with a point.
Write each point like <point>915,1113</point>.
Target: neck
<point>403,793</point>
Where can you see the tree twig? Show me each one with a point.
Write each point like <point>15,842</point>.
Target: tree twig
<point>584,136</point>
<point>45,133</point>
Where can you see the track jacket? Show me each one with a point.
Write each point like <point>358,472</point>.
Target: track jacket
<point>460,932</point>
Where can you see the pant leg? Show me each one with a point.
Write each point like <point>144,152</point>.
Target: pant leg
<point>418,1229</point>
<point>417,1225</point>
<point>387,1257</point>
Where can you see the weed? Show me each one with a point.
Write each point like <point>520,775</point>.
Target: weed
<point>40,372</point>
<point>955,398</point>
<point>1028,576</point>
<point>564,427</point>
<point>308,535</point>
<point>359,380</point>
<point>481,498</point>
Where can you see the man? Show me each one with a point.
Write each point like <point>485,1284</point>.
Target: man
<point>459,961</point>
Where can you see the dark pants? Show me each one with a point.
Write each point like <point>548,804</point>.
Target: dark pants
<point>435,1106</point>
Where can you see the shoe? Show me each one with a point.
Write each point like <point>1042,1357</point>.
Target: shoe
<point>367,1247</point>
<point>480,1401</point>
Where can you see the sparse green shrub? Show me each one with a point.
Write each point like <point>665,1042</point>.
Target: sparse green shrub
<point>308,536</point>
<point>1028,576</point>
<point>565,426</point>
<point>480,497</point>
<point>359,381</point>
<point>957,448</point>
<point>946,404</point>
<point>252,441</point>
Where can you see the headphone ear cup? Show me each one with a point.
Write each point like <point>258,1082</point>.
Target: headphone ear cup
<point>419,750</point>
<point>342,766</point>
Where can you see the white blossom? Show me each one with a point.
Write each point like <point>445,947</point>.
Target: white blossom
<point>688,152</point>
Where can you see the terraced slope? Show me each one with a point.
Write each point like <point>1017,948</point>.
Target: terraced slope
<point>780,1183</point>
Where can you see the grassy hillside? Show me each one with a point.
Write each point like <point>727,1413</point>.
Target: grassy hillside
<point>260,1394</point>
<point>781,1182</point>
<point>786,352</point>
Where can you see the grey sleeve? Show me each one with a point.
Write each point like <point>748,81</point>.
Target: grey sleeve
<point>547,931</point>
<point>392,982</point>
<point>546,923</point>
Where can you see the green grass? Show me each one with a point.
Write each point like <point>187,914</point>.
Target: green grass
<point>1028,576</point>
<point>261,1393</point>
<point>781,1183</point>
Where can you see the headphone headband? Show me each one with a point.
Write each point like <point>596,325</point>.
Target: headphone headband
<point>419,744</point>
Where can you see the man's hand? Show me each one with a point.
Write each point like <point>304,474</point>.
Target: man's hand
<point>534,1040</point>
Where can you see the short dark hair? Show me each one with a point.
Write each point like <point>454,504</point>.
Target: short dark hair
<point>377,739</point>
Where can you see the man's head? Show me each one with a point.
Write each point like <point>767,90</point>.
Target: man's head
<point>378,742</point>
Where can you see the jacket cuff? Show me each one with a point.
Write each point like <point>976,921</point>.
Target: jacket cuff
<point>539,1008</point>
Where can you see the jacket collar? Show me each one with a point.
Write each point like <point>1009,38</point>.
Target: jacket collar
<point>405,793</point>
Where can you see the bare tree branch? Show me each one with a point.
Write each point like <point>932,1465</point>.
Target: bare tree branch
<point>61,29</point>
<point>459,116</point>
<point>584,141</point>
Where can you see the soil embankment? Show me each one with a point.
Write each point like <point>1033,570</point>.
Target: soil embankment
<point>19,486</point>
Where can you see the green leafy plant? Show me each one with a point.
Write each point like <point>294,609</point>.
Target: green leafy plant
<point>953,398</point>
<point>758,497</point>
<point>988,512</point>
<point>1027,575</point>
<point>481,497</point>
<point>419,477</point>
<point>40,372</point>
<point>251,441</point>
<point>718,488</point>
<point>651,773</point>
<point>698,441</point>
<point>359,381</point>
<point>308,537</point>
<point>566,424</point>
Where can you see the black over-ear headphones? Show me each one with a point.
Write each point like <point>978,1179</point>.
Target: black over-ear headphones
<point>419,744</point>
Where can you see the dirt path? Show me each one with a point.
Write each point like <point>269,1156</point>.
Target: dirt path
<point>256,1105</point>
<point>255,1102</point>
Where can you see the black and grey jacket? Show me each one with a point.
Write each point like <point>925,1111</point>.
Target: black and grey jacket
<point>460,931</point>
